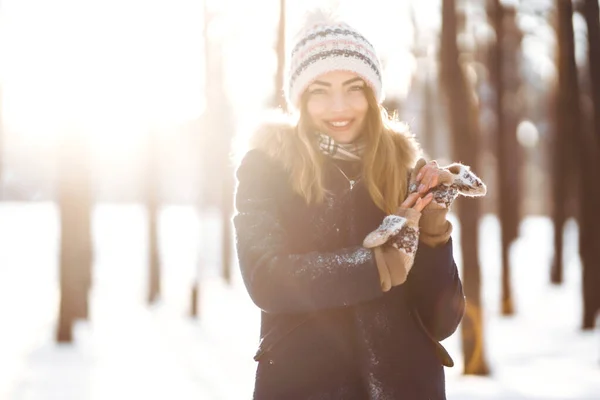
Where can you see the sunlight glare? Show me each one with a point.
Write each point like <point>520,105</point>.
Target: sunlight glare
<point>112,69</point>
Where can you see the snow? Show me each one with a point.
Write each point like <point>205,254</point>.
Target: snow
<point>130,350</point>
<point>539,353</point>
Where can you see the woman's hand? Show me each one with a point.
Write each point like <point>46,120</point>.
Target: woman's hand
<point>407,214</point>
<point>416,202</point>
<point>429,176</point>
<point>396,240</point>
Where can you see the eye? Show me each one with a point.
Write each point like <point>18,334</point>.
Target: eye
<point>357,88</point>
<point>317,91</point>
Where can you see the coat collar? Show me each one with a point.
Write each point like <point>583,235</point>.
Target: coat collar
<point>274,138</point>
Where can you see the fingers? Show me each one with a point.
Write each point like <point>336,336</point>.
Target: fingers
<point>423,178</point>
<point>416,202</point>
<point>422,202</point>
<point>414,176</point>
<point>431,180</point>
<point>423,167</point>
<point>429,177</point>
<point>410,200</point>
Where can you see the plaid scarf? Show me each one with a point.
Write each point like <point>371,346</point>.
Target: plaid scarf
<point>340,151</point>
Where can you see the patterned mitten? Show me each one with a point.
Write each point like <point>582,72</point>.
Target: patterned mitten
<point>395,243</point>
<point>455,179</point>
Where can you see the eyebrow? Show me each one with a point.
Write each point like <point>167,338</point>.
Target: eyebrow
<point>349,81</point>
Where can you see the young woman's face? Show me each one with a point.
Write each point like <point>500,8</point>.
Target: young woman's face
<point>337,105</point>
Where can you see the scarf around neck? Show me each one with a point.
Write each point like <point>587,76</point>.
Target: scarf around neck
<point>341,151</point>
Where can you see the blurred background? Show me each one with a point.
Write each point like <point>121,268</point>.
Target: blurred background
<point>119,125</point>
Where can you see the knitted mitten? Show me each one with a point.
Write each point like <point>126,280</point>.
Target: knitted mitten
<point>455,179</point>
<point>395,243</point>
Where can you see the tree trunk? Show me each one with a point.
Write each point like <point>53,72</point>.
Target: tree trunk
<point>202,164</point>
<point>279,98</point>
<point>1,137</point>
<point>220,128</point>
<point>463,119</point>
<point>505,147</point>
<point>429,119</point>
<point>568,125</point>
<point>223,124</point>
<point>86,247</point>
<point>561,170</point>
<point>560,173</point>
<point>152,209</point>
<point>591,14</point>
<point>226,214</point>
<point>591,272</point>
<point>583,153</point>
<point>74,202</point>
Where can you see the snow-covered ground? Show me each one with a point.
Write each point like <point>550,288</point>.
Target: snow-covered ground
<point>129,350</point>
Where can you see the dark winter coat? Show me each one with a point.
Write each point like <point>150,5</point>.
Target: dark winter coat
<point>327,329</point>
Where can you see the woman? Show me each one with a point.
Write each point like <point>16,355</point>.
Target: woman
<point>354,275</point>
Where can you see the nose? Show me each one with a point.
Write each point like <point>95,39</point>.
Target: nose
<point>338,102</point>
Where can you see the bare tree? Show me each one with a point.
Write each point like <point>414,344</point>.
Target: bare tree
<point>218,133</point>
<point>582,154</point>
<point>152,209</point>
<point>590,12</point>
<point>221,117</point>
<point>464,125</point>
<point>202,165</point>
<point>1,136</point>
<point>506,83</point>
<point>561,189</point>
<point>424,84</point>
<point>228,187</point>
<point>279,100</point>
<point>590,141</point>
<point>428,120</point>
<point>568,129</point>
<point>74,202</point>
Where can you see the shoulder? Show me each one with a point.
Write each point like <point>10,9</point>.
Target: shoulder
<point>267,143</point>
<point>259,178</point>
<point>271,135</point>
<point>263,160</point>
<point>255,164</point>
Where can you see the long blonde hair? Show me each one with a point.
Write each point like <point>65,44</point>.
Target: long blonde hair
<point>390,153</point>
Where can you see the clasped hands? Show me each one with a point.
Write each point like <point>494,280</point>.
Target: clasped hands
<point>421,216</point>
<point>395,242</point>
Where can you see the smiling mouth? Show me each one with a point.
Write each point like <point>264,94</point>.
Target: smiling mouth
<point>341,124</point>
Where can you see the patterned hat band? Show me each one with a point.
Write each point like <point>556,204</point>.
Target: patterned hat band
<point>327,47</point>
<point>324,33</point>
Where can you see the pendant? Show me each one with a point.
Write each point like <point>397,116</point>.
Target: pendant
<point>352,182</point>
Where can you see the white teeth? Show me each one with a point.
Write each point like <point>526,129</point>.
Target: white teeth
<point>339,124</point>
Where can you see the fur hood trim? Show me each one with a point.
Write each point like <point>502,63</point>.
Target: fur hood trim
<point>273,138</point>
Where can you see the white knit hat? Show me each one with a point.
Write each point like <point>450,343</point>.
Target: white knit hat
<point>324,45</point>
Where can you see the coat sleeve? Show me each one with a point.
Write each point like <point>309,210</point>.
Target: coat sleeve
<point>277,280</point>
<point>435,290</point>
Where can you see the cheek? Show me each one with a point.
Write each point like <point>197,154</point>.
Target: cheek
<point>315,109</point>
<point>360,106</point>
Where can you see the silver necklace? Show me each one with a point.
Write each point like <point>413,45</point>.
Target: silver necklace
<point>352,182</point>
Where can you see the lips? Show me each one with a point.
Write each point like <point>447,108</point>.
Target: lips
<point>339,124</point>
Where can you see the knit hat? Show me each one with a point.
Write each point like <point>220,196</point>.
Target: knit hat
<point>324,45</point>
